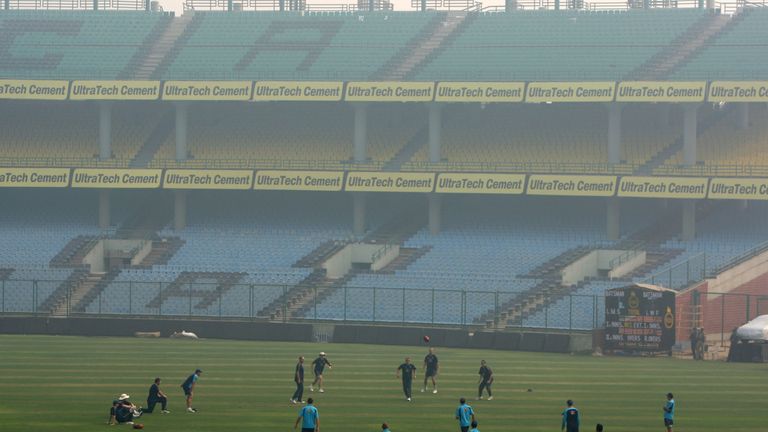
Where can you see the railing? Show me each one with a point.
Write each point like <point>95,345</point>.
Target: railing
<point>755,251</point>
<point>728,170</point>
<point>523,167</point>
<point>269,164</point>
<point>455,5</point>
<point>223,5</point>
<point>380,252</point>
<point>248,301</point>
<point>682,275</point>
<point>621,259</point>
<point>129,5</point>
<point>63,162</point>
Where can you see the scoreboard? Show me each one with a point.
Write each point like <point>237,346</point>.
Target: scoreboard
<point>639,318</point>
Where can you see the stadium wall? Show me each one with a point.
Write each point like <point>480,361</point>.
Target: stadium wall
<point>301,332</point>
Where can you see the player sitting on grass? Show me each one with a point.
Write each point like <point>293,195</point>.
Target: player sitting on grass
<point>123,411</point>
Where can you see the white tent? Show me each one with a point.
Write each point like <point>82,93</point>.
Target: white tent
<point>756,330</point>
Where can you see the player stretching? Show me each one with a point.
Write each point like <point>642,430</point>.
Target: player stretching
<point>318,365</point>
<point>431,369</point>
<point>189,389</point>
<point>669,412</point>
<point>409,373</point>
<point>486,379</point>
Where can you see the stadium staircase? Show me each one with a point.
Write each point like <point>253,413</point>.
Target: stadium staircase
<point>408,151</point>
<point>422,47</point>
<point>73,253</point>
<point>135,67</point>
<point>158,49</point>
<point>156,139</point>
<point>684,47</point>
<point>80,291</point>
<point>185,286</point>
<point>406,257</point>
<point>164,50</point>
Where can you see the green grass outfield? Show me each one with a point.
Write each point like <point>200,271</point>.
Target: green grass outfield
<point>50,383</point>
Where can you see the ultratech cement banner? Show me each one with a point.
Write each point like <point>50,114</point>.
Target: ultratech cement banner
<point>208,179</point>
<point>539,92</point>
<point>389,91</point>
<point>476,183</point>
<point>115,90</point>
<point>663,187</point>
<point>34,177</point>
<point>738,188</point>
<point>328,181</point>
<point>34,89</point>
<point>111,178</point>
<point>571,185</point>
<point>207,90</point>
<point>661,91</point>
<point>389,182</point>
<point>486,92</point>
<point>298,91</point>
<point>738,91</point>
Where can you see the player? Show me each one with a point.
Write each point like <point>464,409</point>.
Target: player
<point>486,379</point>
<point>474,427</point>
<point>123,411</point>
<point>189,388</point>
<point>298,378</point>
<point>409,373</point>
<point>431,368</point>
<point>385,427</point>
<point>669,412</point>
<point>309,418</point>
<point>599,427</point>
<point>318,365</point>
<point>465,415</point>
<point>570,418</point>
<point>156,395</point>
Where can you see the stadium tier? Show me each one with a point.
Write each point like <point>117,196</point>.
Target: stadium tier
<point>63,135</point>
<point>73,44</point>
<point>728,148</point>
<point>544,138</point>
<point>281,46</point>
<point>736,54</point>
<point>269,136</point>
<point>546,45</point>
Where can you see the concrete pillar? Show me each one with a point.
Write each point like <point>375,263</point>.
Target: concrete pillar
<point>358,214</point>
<point>613,219</point>
<point>179,210</point>
<point>743,122</point>
<point>360,153</point>
<point>105,131</point>
<point>435,212</point>
<point>181,131</point>
<point>104,217</point>
<point>435,132</point>
<point>690,126</point>
<point>614,133</point>
<point>689,220</point>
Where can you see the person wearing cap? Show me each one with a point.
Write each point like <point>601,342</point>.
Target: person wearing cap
<point>298,378</point>
<point>123,411</point>
<point>570,418</point>
<point>156,395</point>
<point>318,365</point>
<point>309,418</point>
<point>189,388</point>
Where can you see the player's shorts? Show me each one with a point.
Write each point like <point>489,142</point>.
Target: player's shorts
<point>318,373</point>
<point>430,373</point>
<point>307,429</point>
<point>668,422</point>
<point>464,428</point>
<point>187,391</point>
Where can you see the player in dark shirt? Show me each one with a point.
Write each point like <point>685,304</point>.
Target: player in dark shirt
<point>486,379</point>
<point>156,395</point>
<point>298,378</point>
<point>431,368</point>
<point>570,418</point>
<point>317,368</point>
<point>409,373</point>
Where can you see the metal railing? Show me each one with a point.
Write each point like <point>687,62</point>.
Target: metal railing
<point>255,301</point>
<point>681,275</point>
<point>755,251</point>
<point>523,167</point>
<point>621,259</point>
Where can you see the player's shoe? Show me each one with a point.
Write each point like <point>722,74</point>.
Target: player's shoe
<point>423,390</point>
<point>311,388</point>
<point>480,398</point>
<point>165,412</point>
<point>490,397</point>
<point>191,410</point>
<point>322,391</point>
<point>293,401</point>
<point>408,399</point>
<point>434,391</point>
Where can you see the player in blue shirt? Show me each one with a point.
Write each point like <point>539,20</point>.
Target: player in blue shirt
<point>189,388</point>
<point>465,415</point>
<point>570,418</point>
<point>474,427</point>
<point>309,418</point>
<point>385,427</point>
<point>669,412</point>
